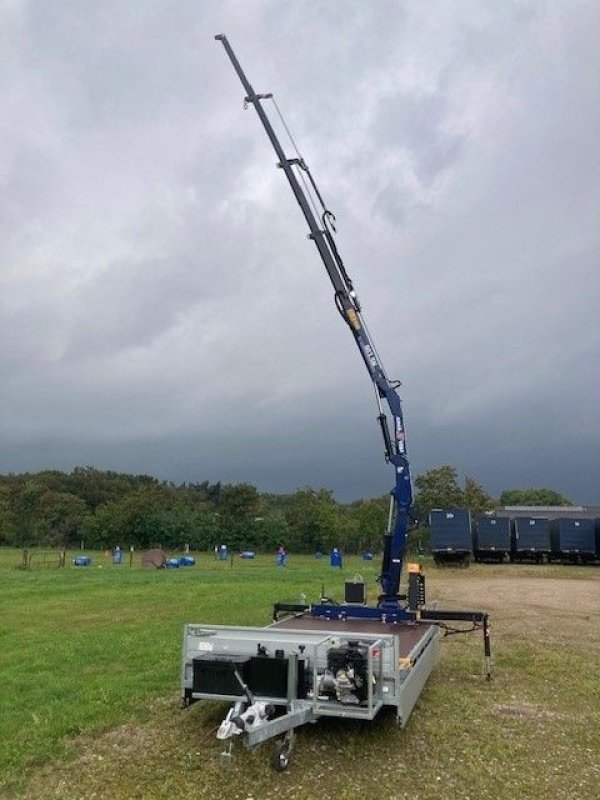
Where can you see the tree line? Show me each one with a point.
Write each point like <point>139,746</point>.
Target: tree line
<point>103,508</point>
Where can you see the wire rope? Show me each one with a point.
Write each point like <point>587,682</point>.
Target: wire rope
<point>300,171</point>
<point>309,193</point>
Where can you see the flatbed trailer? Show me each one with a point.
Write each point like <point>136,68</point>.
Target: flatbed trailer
<point>286,667</point>
<point>303,667</point>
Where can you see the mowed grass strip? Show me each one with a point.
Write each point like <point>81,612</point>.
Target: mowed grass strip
<point>106,647</point>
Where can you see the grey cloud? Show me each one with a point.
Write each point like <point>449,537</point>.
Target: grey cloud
<point>162,310</point>
<point>394,202</point>
<point>417,123</point>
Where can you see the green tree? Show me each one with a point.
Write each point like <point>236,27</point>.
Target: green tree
<point>271,531</point>
<point>105,528</point>
<point>204,532</point>
<point>239,502</point>
<point>61,514</point>
<point>437,488</point>
<point>476,498</point>
<point>533,497</point>
<point>313,520</point>
<point>371,517</point>
<point>97,487</point>
<point>417,541</point>
<point>5,516</point>
<point>25,523</point>
<point>143,518</point>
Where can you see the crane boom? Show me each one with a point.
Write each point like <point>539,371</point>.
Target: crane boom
<point>321,232</point>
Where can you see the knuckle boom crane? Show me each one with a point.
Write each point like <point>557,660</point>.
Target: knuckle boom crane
<point>321,230</point>
<point>326,659</point>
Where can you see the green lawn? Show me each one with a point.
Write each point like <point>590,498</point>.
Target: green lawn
<point>85,647</point>
<point>89,665</point>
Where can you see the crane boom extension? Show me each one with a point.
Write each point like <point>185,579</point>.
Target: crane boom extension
<point>346,300</point>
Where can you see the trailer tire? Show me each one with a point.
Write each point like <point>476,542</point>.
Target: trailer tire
<point>281,757</point>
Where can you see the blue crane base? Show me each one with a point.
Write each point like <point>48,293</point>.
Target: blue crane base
<point>383,613</point>
<point>390,613</point>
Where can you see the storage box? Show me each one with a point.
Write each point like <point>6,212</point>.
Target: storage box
<point>355,591</point>
<point>267,676</point>
<point>214,675</point>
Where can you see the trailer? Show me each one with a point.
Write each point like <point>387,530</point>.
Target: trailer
<point>303,668</point>
<point>347,661</point>
<point>531,539</point>
<point>492,538</point>
<point>572,540</point>
<point>451,538</point>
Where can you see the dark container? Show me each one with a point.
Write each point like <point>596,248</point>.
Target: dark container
<point>573,539</point>
<point>355,591</point>
<point>214,675</point>
<point>531,539</point>
<point>492,538</point>
<point>450,536</point>
<point>267,676</point>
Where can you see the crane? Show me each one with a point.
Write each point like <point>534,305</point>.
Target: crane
<point>321,225</point>
<point>327,659</point>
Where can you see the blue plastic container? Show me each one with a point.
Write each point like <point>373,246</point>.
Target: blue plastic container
<point>247,554</point>
<point>82,561</point>
<point>335,558</point>
<point>368,556</point>
<point>172,563</point>
<point>187,561</point>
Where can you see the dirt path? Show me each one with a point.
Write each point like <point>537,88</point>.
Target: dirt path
<point>505,596</point>
<point>561,611</point>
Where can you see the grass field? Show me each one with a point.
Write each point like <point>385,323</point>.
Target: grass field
<point>89,707</point>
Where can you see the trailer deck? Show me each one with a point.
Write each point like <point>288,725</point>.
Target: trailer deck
<point>408,634</point>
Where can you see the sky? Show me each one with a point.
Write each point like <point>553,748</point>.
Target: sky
<point>162,310</point>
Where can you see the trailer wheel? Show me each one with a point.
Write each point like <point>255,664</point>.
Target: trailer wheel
<point>281,757</point>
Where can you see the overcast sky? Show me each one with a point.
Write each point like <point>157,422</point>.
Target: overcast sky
<point>162,310</point>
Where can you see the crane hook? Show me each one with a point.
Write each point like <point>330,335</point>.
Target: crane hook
<point>329,220</point>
